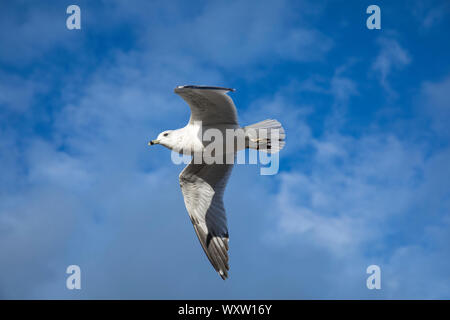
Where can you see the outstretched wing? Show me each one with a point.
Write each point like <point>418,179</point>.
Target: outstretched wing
<point>203,186</point>
<point>211,105</point>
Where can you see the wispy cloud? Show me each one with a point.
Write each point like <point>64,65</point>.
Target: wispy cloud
<point>370,198</point>
<point>391,57</point>
<point>430,13</point>
<point>435,102</point>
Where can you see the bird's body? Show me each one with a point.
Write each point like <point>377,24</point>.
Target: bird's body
<point>190,139</point>
<point>203,181</point>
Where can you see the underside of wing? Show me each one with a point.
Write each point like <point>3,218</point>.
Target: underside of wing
<point>203,186</point>
<point>211,105</point>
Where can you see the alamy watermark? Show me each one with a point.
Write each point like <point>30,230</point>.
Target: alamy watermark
<point>374,20</point>
<point>74,280</point>
<point>374,280</point>
<point>74,20</point>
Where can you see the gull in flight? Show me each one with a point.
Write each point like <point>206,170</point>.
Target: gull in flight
<point>202,182</point>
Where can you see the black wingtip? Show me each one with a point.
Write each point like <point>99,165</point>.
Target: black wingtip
<point>223,275</point>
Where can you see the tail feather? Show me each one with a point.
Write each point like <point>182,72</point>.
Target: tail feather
<point>267,136</point>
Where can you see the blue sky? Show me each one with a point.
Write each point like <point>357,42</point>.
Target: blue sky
<point>364,178</point>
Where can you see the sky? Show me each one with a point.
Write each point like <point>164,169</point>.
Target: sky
<point>364,178</point>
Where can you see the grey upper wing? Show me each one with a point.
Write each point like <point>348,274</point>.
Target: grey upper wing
<point>211,105</point>
<point>203,186</point>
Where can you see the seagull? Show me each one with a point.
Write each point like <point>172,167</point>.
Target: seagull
<point>202,183</point>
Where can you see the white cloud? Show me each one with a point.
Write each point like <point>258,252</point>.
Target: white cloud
<point>429,13</point>
<point>434,101</point>
<point>18,93</point>
<point>249,30</point>
<point>391,57</point>
<point>29,34</point>
<point>355,187</point>
<point>348,201</point>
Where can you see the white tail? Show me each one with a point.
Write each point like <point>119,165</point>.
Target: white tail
<point>267,136</point>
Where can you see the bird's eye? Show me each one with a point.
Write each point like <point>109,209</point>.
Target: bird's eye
<point>165,134</point>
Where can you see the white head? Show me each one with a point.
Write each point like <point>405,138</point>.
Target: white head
<point>165,138</point>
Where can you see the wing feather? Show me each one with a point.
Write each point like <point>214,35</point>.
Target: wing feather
<point>203,187</point>
<point>211,105</point>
